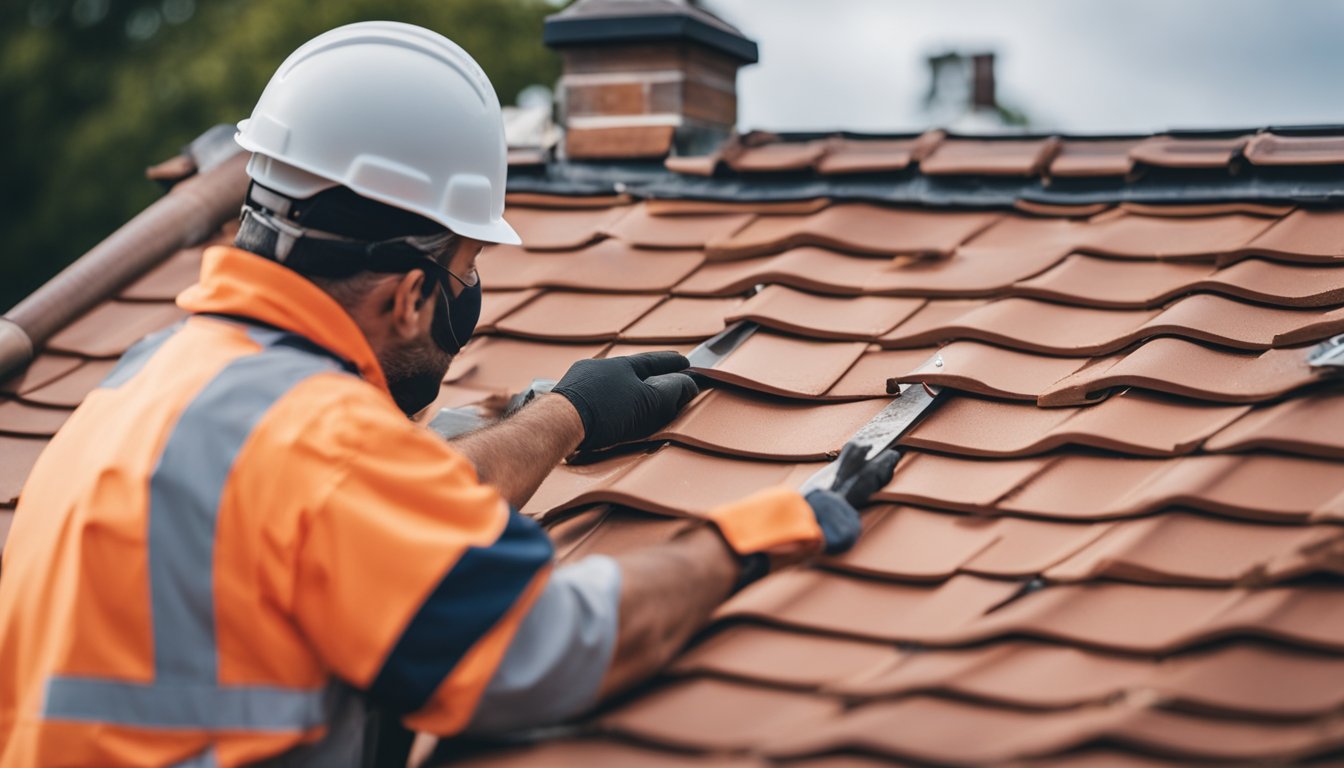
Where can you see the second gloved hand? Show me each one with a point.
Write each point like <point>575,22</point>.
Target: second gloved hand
<point>626,398</point>
<point>857,478</point>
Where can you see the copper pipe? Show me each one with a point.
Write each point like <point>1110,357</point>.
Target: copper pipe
<point>186,216</point>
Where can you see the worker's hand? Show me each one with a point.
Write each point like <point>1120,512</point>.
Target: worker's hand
<point>625,398</point>
<point>856,480</point>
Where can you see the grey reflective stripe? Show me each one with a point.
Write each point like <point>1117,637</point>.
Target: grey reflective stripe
<point>560,654</point>
<point>184,494</point>
<point>139,354</point>
<point>185,491</point>
<point>166,705</point>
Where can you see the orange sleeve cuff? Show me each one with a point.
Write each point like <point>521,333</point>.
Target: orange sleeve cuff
<point>771,520</point>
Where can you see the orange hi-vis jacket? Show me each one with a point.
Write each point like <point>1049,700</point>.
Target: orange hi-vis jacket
<point>238,528</point>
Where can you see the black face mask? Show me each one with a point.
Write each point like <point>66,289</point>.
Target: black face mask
<point>455,318</point>
<point>454,321</point>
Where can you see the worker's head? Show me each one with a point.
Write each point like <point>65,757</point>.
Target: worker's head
<point>378,172</point>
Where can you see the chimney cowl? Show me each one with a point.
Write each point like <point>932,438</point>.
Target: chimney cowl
<point>589,22</point>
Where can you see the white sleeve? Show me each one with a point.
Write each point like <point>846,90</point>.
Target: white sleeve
<point>560,654</point>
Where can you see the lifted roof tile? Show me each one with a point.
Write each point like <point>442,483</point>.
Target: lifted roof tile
<point>782,365</point>
<point>758,426</point>
<point>985,370</point>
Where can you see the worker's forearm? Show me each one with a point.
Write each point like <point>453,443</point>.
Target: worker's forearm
<point>667,594</point>
<point>515,454</point>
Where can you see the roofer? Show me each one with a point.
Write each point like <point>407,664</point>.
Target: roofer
<point>239,542</point>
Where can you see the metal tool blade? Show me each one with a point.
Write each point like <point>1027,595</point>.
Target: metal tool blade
<point>884,429</point>
<point>712,351</point>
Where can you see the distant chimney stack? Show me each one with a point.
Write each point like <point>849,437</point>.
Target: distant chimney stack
<point>643,78</point>
<point>982,82</point>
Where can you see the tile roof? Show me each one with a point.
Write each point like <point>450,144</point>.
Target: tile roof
<point>1116,540</point>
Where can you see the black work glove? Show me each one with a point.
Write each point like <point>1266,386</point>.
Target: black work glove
<point>625,398</point>
<point>856,480</point>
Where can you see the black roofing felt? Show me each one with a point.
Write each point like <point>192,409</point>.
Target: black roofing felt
<point>1290,184</point>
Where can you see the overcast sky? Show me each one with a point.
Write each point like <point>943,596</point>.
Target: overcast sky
<point>1082,66</point>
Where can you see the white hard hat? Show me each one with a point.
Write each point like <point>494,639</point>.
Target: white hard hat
<point>397,113</point>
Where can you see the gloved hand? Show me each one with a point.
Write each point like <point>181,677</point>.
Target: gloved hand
<point>767,533</point>
<point>625,398</point>
<point>856,480</point>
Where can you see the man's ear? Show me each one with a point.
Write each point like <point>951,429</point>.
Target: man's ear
<point>412,304</point>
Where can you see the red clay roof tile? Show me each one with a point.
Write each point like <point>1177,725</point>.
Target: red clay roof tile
<point>1177,152</point>
<point>608,266</point>
<point>1083,487</point>
<point>1180,367</point>
<point>44,369</point>
<point>717,715</point>
<point>165,281</point>
<point>997,157</point>
<point>549,229</point>
<point>985,370</point>
<point>1132,422</point>
<point>69,390</point>
<point>783,365</point>
<point>112,327</point>
<point>1127,235</point>
<point>680,319</point>
<point>1098,282</point>
<point>1269,149</point>
<point>777,157</point>
<point>20,454</point>
<point>873,155</point>
<point>498,364</point>
<point>498,304</point>
<point>1104,157</point>
<point>857,228</point>
<point>24,419</point>
<point>641,227</point>
<point>1305,235</point>
<point>566,316</point>
<point>1308,425</point>
<point>825,317</point>
<point>745,424</point>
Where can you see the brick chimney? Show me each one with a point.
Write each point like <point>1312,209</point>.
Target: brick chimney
<point>645,78</point>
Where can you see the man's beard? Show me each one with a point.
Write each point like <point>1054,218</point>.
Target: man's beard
<point>415,371</point>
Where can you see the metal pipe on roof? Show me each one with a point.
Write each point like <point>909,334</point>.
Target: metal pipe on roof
<point>187,215</point>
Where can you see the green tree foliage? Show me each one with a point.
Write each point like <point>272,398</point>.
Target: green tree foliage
<point>93,91</point>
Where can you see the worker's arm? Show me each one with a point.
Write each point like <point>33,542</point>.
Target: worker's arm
<point>515,454</point>
<point>603,625</point>
<point>598,403</point>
